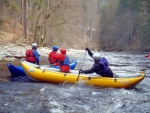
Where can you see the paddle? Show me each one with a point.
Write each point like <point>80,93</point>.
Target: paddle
<point>81,67</point>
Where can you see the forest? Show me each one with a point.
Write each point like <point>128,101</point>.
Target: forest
<point>108,25</point>
<point>126,26</point>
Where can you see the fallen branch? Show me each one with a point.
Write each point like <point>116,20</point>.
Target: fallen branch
<point>3,80</point>
<point>19,57</point>
<point>119,65</point>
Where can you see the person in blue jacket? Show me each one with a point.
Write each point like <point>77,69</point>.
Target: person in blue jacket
<point>32,54</point>
<point>63,61</point>
<point>100,66</point>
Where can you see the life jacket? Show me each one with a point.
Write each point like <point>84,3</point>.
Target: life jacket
<point>64,65</point>
<point>103,61</point>
<point>29,56</point>
<point>52,58</point>
<point>147,56</point>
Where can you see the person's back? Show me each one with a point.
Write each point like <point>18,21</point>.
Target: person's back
<point>63,60</point>
<point>100,65</point>
<point>51,58</point>
<point>64,64</point>
<point>32,54</point>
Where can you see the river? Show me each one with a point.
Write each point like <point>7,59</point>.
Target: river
<point>22,95</point>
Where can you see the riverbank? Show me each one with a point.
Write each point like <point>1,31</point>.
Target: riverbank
<point>8,51</point>
<point>5,74</point>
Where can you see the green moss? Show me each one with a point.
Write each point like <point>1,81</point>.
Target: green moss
<point>31,18</point>
<point>1,21</point>
<point>132,4</point>
<point>14,6</point>
<point>38,2</point>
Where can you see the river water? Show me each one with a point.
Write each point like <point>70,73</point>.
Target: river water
<point>22,95</point>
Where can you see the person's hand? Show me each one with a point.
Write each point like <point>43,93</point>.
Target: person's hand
<point>81,71</point>
<point>87,49</point>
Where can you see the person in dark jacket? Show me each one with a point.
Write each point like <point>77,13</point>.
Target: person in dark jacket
<point>100,66</point>
<point>32,55</point>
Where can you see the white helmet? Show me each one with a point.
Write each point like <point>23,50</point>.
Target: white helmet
<point>96,56</point>
<point>34,45</point>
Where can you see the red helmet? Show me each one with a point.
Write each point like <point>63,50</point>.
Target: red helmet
<point>63,51</point>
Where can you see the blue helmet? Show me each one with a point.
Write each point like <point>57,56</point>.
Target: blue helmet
<point>55,48</point>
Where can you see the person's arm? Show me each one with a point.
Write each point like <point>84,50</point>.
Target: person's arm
<point>58,57</point>
<point>61,57</point>
<point>89,52</point>
<point>36,55</point>
<point>87,71</point>
<point>95,68</point>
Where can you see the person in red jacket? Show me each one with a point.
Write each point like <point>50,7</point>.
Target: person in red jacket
<point>147,56</point>
<point>51,58</point>
<point>32,54</point>
<point>63,61</point>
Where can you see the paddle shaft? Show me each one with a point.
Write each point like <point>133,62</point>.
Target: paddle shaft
<point>81,66</point>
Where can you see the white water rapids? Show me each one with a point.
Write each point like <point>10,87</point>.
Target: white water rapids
<point>26,96</point>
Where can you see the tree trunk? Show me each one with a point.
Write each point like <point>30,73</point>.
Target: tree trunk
<point>26,19</point>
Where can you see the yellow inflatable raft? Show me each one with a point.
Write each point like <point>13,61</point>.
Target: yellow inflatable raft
<point>55,76</point>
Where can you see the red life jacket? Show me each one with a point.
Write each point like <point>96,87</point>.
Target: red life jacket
<point>64,62</point>
<point>29,56</point>
<point>64,65</point>
<point>65,68</point>
<point>52,58</point>
<point>147,56</point>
